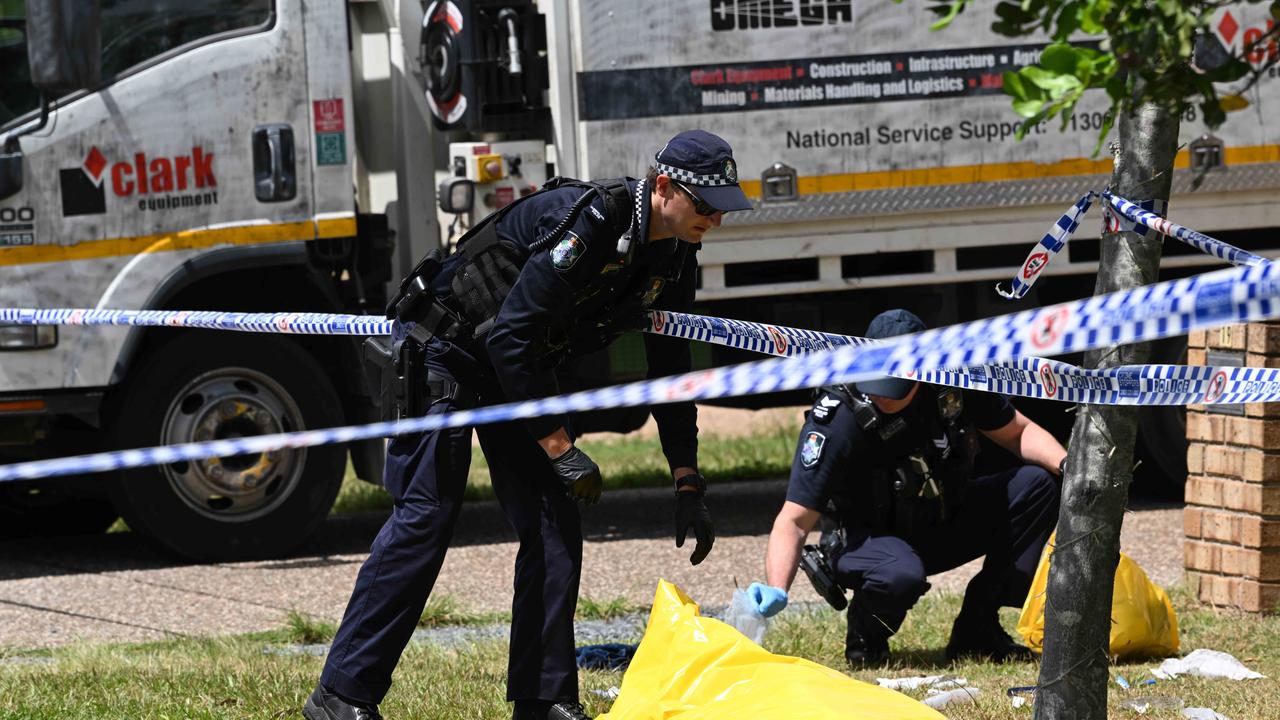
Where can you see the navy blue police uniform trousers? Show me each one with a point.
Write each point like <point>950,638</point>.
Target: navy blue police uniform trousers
<point>426,474</point>
<point>1007,517</point>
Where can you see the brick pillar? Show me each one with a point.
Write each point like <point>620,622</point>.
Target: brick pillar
<point>1232,515</point>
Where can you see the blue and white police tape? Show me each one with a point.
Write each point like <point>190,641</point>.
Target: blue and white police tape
<point>1049,246</point>
<point>1234,295</point>
<point>1198,240</point>
<point>1053,241</point>
<point>293,323</point>
<point>1031,377</point>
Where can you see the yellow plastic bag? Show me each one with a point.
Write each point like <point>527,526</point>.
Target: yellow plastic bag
<point>1143,623</point>
<point>693,668</point>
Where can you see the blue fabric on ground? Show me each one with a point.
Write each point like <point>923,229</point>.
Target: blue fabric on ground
<point>606,656</point>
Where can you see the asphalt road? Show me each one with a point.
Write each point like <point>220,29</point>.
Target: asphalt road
<point>121,588</point>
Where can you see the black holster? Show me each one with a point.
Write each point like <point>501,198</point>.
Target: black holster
<point>396,371</point>
<point>818,562</point>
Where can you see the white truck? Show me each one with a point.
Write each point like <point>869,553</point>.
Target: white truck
<point>267,155</point>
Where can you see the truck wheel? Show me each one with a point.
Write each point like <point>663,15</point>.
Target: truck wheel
<point>212,386</point>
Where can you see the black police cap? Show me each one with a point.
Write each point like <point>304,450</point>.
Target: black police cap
<point>891,323</point>
<point>705,161</point>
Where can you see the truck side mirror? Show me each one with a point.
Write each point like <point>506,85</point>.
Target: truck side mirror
<point>457,195</point>
<point>10,172</point>
<point>64,45</point>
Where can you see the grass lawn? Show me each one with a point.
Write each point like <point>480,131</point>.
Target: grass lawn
<point>235,677</point>
<point>625,461</point>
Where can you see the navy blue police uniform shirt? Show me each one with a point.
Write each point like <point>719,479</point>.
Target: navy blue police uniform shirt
<point>836,459</point>
<point>580,282</point>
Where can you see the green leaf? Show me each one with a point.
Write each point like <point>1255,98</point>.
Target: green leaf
<point>1213,114</point>
<point>1108,120</point>
<point>948,14</point>
<point>1093,17</point>
<point>1027,97</point>
<point>1060,58</point>
<point>1117,89</point>
<point>1027,108</point>
<point>1230,71</point>
<point>1068,21</point>
<point>1007,29</point>
<point>1054,83</point>
<point>1014,12</point>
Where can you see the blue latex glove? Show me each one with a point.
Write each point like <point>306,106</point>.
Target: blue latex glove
<point>769,600</point>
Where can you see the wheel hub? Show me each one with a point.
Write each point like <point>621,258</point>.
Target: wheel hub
<point>228,404</point>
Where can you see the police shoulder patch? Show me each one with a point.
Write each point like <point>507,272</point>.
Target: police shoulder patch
<point>811,450</point>
<point>566,252</point>
<point>825,407</point>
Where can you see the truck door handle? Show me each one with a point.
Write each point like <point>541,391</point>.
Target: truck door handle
<point>275,177</point>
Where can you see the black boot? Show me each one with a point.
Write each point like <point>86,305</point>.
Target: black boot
<point>862,652</point>
<point>984,639</point>
<point>546,710</point>
<point>324,705</point>
<point>866,643</point>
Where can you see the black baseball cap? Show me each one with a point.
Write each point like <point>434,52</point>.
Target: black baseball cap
<point>705,162</point>
<point>890,323</point>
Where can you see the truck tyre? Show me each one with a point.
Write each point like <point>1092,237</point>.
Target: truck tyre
<point>204,386</point>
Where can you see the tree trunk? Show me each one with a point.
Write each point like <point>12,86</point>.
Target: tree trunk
<point>1074,670</point>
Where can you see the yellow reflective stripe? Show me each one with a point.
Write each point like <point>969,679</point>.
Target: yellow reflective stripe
<point>181,240</point>
<point>335,228</point>
<point>993,172</point>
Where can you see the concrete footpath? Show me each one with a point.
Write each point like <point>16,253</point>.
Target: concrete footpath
<point>121,588</point>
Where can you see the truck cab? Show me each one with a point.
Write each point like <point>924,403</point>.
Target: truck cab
<point>206,164</point>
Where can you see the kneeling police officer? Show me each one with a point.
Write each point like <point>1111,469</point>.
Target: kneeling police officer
<point>553,275</point>
<point>891,459</point>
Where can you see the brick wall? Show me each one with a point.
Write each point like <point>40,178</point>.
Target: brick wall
<point>1232,515</point>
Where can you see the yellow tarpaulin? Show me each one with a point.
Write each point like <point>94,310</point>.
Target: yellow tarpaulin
<point>1143,623</point>
<point>693,668</point>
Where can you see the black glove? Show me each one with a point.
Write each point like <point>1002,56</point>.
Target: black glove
<point>692,510</point>
<point>580,475</point>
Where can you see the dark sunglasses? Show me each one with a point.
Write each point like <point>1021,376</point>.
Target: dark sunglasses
<point>700,206</point>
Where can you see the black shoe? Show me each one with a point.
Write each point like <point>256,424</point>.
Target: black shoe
<point>985,641</point>
<point>324,705</point>
<point>860,653</point>
<point>543,710</point>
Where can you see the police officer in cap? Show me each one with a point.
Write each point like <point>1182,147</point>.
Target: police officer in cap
<point>561,273</point>
<point>891,460</point>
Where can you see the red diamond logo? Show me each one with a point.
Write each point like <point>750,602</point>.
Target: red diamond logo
<point>94,164</point>
<point>1228,27</point>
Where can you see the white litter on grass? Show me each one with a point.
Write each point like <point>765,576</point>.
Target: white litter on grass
<point>936,682</point>
<point>1154,703</point>
<point>1205,663</point>
<point>1202,714</point>
<point>317,649</point>
<point>610,694</point>
<point>938,699</point>
<point>1019,701</point>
